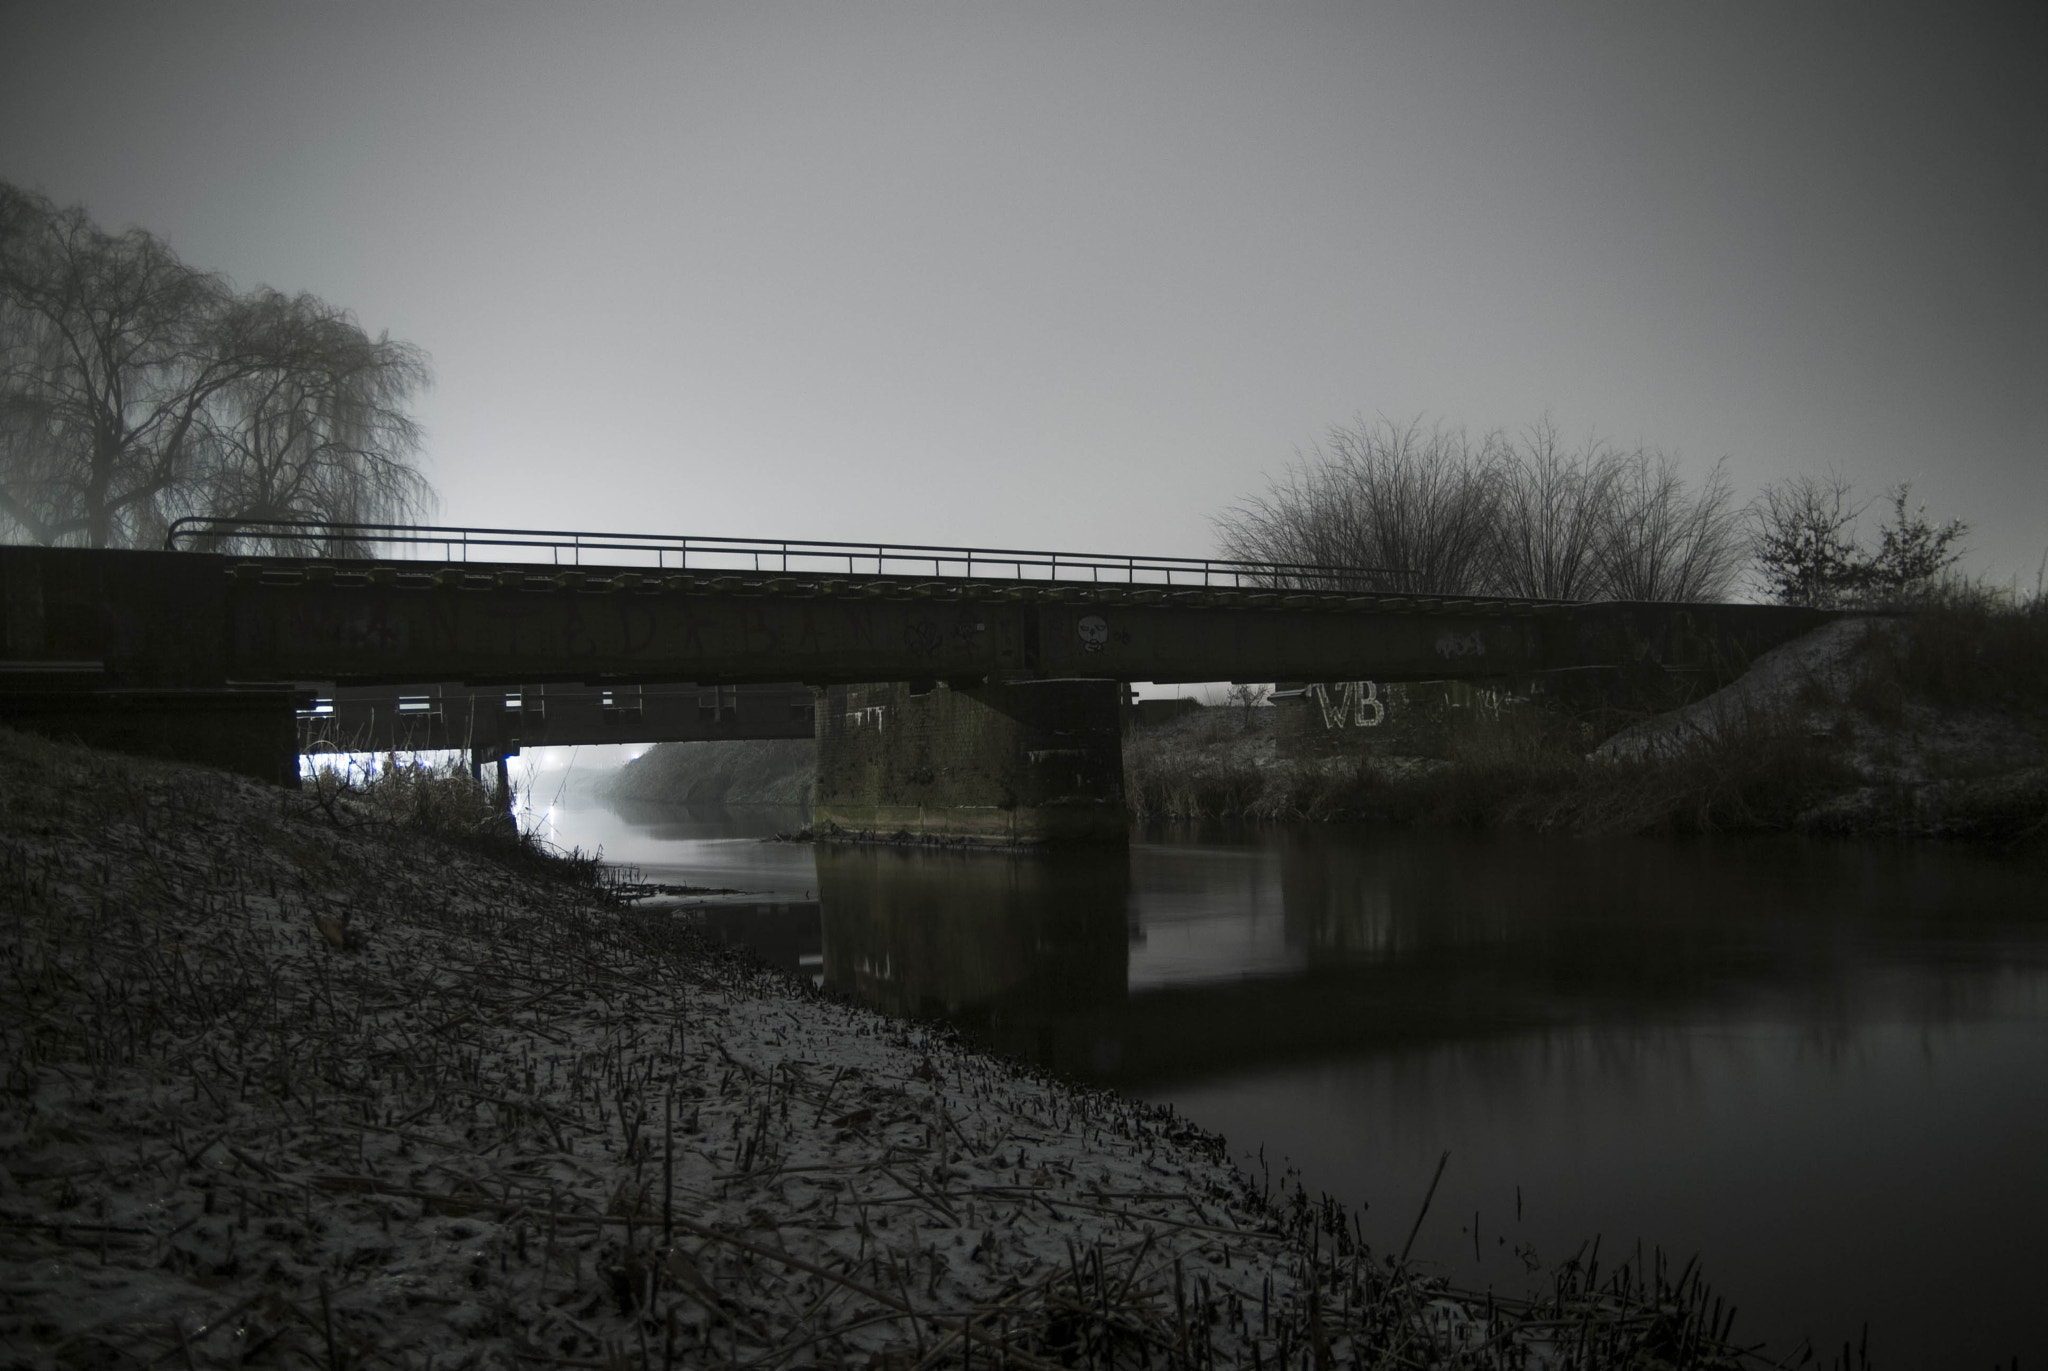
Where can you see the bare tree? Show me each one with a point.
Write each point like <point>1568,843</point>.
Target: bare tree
<point>1493,516</point>
<point>108,362</point>
<point>1420,501</point>
<point>1665,541</point>
<point>1554,515</point>
<point>1247,696</point>
<point>134,389</point>
<point>318,428</point>
<point>1913,556</point>
<point>1803,538</point>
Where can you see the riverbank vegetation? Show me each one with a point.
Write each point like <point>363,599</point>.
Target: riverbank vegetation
<point>746,771</point>
<point>1929,723</point>
<point>290,1083</point>
<point>440,799</point>
<point>1928,720</point>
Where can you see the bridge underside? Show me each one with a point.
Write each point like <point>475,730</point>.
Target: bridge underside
<point>498,721</point>
<point>95,640</point>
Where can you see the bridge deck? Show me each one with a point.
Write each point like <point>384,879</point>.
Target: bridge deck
<point>291,619</point>
<point>199,619</point>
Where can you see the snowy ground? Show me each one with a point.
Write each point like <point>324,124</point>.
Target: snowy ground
<point>1820,664</point>
<point>284,1085</point>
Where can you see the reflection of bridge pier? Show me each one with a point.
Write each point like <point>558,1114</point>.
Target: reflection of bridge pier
<point>1420,939</point>
<point>989,940</point>
<point>1030,954</point>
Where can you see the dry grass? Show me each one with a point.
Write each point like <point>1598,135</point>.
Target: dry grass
<point>1527,772</point>
<point>406,793</point>
<point>1205,763</point>
<point>1934,723</point>
<point>1975,651</point>
<point>287,1083</point>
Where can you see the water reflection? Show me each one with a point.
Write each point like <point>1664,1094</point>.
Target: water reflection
<point>1006,946</point>
<point>1323,943</point>
<point>1816,1065</point>
<point>700,845</point>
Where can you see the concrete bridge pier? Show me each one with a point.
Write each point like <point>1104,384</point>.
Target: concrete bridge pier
<point>1017,763</point>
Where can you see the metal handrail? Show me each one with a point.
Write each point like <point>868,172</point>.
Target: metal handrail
<point>303,538</point>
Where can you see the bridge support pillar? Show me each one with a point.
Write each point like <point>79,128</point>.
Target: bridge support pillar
<point>1015,764</point>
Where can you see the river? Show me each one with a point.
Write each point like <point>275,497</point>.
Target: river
<point>1820,1067</point>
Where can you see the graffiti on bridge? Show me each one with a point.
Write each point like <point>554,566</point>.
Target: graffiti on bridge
<point>1357,704</point>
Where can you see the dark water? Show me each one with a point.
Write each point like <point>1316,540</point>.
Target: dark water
<point>1821,1067</point>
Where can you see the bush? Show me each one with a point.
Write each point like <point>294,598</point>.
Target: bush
<point>1803,540</point>
<point>1416,506</point>
<point>445,802</point>
<point>1968,651</point>
<point>1436,512</point>
<point>1526,769</point>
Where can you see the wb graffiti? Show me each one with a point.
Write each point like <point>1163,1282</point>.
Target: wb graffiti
<point>1349,704</point>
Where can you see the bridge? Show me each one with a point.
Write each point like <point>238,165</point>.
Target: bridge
<point>960,692</point>
<point>489,722</point>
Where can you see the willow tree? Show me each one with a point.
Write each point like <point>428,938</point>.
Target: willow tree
<point>316,429</point>
<point>135,388</point>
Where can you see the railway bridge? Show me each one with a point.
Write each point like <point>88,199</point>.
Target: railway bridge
<point>956,692</point>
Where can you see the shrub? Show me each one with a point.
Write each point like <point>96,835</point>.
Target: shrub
<point>443,801</point>
<point>1970,652</point>
<point>1435,511</point>
<point>1803,540</point>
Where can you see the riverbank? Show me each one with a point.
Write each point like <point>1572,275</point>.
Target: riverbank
<point>747,771</point>
<point>324,1077</point>
<point>1929,725</point>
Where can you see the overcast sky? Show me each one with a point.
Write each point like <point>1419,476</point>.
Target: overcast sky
<point>1080,276</point>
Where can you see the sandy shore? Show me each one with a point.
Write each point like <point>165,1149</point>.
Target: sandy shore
<point>285,1084</point>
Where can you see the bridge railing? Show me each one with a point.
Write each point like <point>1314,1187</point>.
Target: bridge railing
<point>779,556</point>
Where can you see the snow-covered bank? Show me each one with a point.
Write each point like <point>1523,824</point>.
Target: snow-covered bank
<point>283,1084</point>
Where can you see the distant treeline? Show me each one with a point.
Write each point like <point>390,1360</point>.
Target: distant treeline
<point>1531,515</point>
<point>760,771</point>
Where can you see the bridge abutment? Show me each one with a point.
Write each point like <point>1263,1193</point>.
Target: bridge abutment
<point>1014,764</point>
<point>250,731</point>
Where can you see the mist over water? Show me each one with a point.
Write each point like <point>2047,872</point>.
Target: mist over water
<point>1814,1065</point>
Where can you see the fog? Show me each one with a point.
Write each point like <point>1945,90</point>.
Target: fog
<point>1078,277</point>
